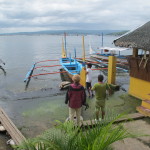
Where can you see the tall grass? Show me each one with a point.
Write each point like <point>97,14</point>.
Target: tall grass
<point>66,136</point>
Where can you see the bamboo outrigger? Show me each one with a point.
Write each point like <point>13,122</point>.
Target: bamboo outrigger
<point>1,67</point>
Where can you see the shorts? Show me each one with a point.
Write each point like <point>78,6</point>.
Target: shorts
<point>100,105</point>
<point>88,85</point>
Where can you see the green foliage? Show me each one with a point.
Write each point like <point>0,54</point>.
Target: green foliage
<point>67,136</point>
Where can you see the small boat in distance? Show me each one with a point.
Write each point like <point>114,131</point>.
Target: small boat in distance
<point>109,51</point>
<point>105,52</point>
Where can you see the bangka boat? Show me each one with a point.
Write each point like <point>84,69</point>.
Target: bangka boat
<point>105,52</point>
<point>109,51</point>
<point>72,66</point>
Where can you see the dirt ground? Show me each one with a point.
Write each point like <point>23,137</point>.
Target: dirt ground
<point>3,140</point>
<point>141,126</point>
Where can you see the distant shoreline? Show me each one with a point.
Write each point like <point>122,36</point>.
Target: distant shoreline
<point>70,32</point>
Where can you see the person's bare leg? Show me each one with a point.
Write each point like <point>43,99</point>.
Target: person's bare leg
<point>103,111</point>
<point>103,114</point>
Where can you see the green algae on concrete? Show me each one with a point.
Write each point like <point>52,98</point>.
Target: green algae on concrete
<point>42,115</point>
<point>118,103</point>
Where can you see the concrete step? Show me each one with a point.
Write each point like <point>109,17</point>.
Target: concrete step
<point>146,103</point>
<point>143,110</point>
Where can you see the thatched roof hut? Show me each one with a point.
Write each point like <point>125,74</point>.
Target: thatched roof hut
<point>138,38</point>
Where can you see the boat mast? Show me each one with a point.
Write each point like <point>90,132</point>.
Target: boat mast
<point>102,44</point>
<point>75,53</point>
<point>65,43</point>
<point>102,39</point>
<point>83,50</point>
<point>63,50</point>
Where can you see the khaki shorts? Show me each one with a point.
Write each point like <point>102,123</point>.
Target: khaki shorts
<point>100,104</point>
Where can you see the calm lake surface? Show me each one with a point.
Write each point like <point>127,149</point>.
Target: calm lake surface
<point>36,109</point>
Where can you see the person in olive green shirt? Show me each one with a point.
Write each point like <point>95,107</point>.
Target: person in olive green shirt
<point>100,89</point>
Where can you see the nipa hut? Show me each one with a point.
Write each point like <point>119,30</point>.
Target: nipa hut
<point>139,63</point>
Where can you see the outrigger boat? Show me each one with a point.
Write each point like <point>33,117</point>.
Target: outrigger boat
<point>109,51</point>
<point>102,64</point>
<point>70,65</point>
<point>105,52</point>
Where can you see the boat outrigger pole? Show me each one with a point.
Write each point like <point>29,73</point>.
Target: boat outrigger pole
<point>28,75</point>
<point>1,61</point>
<point>3,70</point>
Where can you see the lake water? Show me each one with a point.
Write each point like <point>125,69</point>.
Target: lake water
<point>36,109</point>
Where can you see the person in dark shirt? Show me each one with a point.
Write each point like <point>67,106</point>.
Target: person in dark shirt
<point>76,97</point>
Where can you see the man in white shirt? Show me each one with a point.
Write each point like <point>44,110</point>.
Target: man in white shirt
<point>89,79</point>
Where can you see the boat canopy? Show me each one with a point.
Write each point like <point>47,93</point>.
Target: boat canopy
<point>114,49</point>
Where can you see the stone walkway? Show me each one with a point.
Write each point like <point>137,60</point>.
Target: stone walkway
<point>141,126</point>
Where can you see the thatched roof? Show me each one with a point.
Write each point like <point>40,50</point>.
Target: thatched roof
<point>138,38</point>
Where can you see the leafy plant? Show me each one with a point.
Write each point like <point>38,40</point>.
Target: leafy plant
<point>66,136</point>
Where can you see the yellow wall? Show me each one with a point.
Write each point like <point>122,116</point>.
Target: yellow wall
<point>139,88</point>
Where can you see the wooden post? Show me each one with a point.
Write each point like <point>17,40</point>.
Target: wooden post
<point>135,52</point>
<point>83,71</point>
<point>112,70</point>
<point>83,49</point>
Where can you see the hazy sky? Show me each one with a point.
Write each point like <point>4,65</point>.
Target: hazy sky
<point>34,15</point>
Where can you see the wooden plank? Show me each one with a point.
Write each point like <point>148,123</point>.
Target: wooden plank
<point>130,117</point>
<point>127,118</point>
<point>15,134</point>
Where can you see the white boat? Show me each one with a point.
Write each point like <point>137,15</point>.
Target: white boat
<point>104,52</point>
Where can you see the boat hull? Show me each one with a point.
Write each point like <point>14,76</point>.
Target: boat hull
<point>72,66</point>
